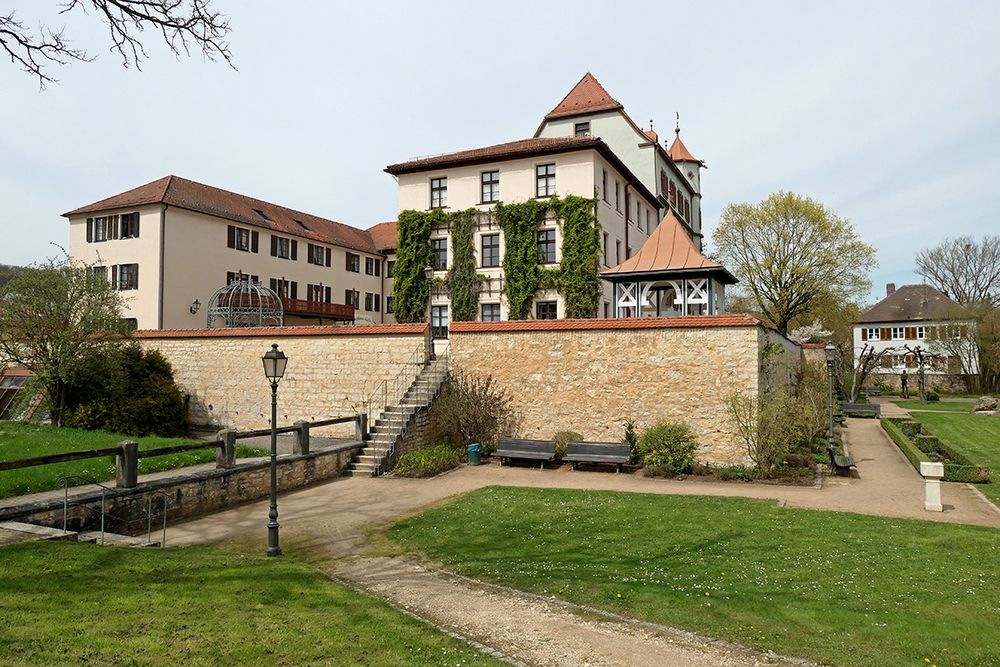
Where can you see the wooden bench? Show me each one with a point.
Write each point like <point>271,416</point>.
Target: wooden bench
<point>597,452</point>
<point>841,465</point>
<point>871,391</point>
<point>539,450</point>
<point>865,409</point>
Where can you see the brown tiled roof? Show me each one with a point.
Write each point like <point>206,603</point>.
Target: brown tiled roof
<point>587,96</point>
<point>384,235</point>
<point>651,135</point>
<point>913,303</point>
<point>193,196</point>
<point>692,321</point>
<point>668,249</point>
<point>678,152</point>
<point>521,149</point>
<point>273,332</point>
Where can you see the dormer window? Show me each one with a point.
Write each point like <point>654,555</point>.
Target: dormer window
<point>582,129</point>
<point>262,214</point>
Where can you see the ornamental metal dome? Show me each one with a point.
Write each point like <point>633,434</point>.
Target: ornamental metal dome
<point>245,303</point>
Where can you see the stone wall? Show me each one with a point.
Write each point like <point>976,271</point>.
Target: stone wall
<point>590,375</point>
<point>331,370</point>
<point>190,495</point>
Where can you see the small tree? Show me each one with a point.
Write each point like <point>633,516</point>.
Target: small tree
<point>868,360</point>
<point>52,317</point>
<point>472,409</point>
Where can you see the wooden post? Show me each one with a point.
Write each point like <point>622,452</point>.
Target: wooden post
<point>361,427</point>
<point>225,454</point>
<point>301,445</point>
<point>127,465</point>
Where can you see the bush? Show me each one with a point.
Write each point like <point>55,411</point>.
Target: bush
<point>631,439</point>
<point>562,439</point>
<point>471,409</point>
<point>957,468</point>
<point>771,427</point>
<point>734,472</point>
<point>933,396</point>
<point>667,448</point>
<point>428,462</point>
<point>127,390</point>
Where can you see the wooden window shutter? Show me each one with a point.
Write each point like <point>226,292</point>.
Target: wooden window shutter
<point>327,293</point>
<point>114,276</point>
<point>348,297</point>
<point>254,241</point>
<point>295,249</point>
<point>911,333</point>
<point>136,219</point>
<point>963,331</point>
<point>274,245</point>
<point>328,254</point>
<point>885,333</point>
<point>115,222</point>
<point>309,252</point>
<point>135,276</point>
<point>90,230</point>
<point>274,284</point>
<point>295,289</point>
<point>231,238</point>
<point>864,333</point>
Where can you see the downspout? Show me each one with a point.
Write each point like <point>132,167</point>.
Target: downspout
<point>627,253</point>
<point>163,233</point>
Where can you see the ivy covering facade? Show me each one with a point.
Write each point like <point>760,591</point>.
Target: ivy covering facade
<point>577,278</point>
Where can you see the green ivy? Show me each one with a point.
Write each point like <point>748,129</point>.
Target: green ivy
<point>522,273</point>
<point>409,286</point>
<point>463,279</point>
<point>579,270</point>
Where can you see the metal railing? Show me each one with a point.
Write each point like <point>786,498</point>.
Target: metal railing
<point>105,490</point>
<point>391,390</point>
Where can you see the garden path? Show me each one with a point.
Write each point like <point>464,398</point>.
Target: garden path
<point>333,524</point>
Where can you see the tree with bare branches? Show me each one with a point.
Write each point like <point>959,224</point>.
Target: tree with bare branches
<point>967,271</point>
<point>183,24</point>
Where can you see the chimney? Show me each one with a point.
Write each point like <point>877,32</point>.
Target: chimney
<point>890,288</point>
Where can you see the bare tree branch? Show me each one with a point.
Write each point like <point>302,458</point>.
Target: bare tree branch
<point>184,25</point>
<point>967,271</point>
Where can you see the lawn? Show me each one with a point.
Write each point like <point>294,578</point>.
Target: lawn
<point>20,441</point>
<point>65,603</point>
<point>938,406</point>
<point>832,587</point>
<point>976,436</point>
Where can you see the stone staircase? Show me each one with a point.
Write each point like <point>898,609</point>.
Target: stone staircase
<point>393,422</point>
<point>16,531</point>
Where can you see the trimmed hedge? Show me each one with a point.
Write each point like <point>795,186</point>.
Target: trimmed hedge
<point>924,446</point>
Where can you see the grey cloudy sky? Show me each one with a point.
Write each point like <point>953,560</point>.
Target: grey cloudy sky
<point>884,111</point>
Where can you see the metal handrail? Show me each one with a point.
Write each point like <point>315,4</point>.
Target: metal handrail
<point>397,383</point>
<point>64,482</point>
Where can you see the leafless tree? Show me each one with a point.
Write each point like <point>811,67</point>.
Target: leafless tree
<point>967,271</point>
<point>868,360</point>
<point>183,24</point>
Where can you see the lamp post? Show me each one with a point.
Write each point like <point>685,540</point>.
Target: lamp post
<point>274,368</point>
<point>831,354</point>
<point>429,274</point>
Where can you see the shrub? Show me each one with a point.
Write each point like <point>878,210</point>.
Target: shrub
<point>667,448</point>
<point>631,438</point>
<point>770,426</point>
<point>429,461</point>
<point>471,409</point>
<point>562,439</point>
<point>733,472</point>
<point>933,396</point>
<point>910,428</point>
<point>126,390</point>
<point>957,468</point>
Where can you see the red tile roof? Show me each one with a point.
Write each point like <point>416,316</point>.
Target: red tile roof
<point>194,196</point>
<point>521,149</point>
<point>587,96</point>
<point>285,332</point>
<point>694,321</point>
<point>914,303</point>
<point>668,248</point>
<point>384,235</point>
<point>678,152</point>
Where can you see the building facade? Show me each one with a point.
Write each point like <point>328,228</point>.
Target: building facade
<point>170,244</point>
<point>914,323</point>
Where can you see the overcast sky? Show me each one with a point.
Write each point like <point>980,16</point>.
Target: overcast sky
<point>885,111</point>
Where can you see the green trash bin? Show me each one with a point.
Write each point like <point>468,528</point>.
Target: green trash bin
<point>474,451</point>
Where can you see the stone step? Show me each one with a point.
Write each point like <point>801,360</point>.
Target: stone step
<point>114,539</point>
<point>38,532</point>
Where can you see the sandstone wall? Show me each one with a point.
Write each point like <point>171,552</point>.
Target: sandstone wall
<point>589,376</point>
<point>331,370</point>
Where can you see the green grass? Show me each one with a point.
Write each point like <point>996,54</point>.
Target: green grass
<point>832,587</point>
<point>975,436</point>
<point>938,406</point>
<point>66,603</point>
<point>20,441</point>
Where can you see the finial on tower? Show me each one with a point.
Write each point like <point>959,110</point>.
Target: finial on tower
<point>677,129</point>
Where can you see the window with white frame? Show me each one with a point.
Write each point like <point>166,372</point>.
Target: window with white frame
<point>873,334</point>
<point>491,312</point>
<point>921,333</point>
<point>898,333</point>
<point>490,250</point>
<point>490,181</point>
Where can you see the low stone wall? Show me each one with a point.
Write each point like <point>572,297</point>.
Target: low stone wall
<point>590,375</point>
<point>941,382</point>
<point>191,495</point>
<point>331,370</point>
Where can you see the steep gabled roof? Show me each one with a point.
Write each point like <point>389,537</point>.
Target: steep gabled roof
<point>678,151</point>
<point>913,303</point>
<point>668,249</point>
<point>194,196</point>
<point>384,235</point>
<point>587,96</point>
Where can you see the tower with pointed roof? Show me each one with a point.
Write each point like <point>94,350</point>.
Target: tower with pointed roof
<point>673,174</point>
